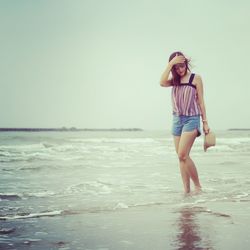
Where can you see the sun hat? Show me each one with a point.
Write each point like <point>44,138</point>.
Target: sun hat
<point>209,140</point>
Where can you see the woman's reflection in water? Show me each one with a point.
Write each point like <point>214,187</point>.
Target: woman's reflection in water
<point>189,235</point>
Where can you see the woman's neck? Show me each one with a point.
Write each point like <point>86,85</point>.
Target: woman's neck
<point>185,78</point>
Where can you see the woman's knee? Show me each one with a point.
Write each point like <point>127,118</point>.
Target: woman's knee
<point>182,156</point>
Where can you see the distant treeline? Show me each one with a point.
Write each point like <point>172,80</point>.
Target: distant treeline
<point>244,129</point>
<point>63,129</point>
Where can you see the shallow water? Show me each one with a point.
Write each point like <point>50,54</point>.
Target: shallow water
<point>69,174</point>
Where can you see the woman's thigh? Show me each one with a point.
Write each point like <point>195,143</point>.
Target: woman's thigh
<point>186,142</point>
<point>176,142</point>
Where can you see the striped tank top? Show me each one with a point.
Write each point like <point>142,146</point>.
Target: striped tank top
<point>184,99</point>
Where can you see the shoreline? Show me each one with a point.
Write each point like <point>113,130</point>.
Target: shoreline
<point>63,129</point>
<point>239,129</point>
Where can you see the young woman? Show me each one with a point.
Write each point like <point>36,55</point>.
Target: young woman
<point>188,106</point>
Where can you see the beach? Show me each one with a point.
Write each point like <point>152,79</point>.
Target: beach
<point>121,190</point>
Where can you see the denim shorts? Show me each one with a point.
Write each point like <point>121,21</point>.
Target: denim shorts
<point>183,123</point>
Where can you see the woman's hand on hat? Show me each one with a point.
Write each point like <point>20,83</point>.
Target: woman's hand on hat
<point>206,128</point>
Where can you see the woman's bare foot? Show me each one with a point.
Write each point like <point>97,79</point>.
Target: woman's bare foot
<point>197,190</point>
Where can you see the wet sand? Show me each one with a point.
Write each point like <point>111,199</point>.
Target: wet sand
<point>189,226</point>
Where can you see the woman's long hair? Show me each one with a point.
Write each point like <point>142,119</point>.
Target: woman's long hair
<point>176,79</point>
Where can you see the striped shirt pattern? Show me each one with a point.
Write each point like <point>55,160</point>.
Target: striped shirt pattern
<point>184,99</point>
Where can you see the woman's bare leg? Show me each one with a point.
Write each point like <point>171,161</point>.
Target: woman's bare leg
<point>184,172</point>
<point>185,144</point>
<point>193,173</point>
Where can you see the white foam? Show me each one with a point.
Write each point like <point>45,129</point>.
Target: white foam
<point>200,201</point>
<point>120,205</point>
<point>93,187</point>
<point>41,233</point>
<point>234,140</point>
<point>127,242</point>
<point>41,194</point>
<point>242,195</point>
<point>32,215</point>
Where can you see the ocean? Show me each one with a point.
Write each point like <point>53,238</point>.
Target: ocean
<point>121,190</point>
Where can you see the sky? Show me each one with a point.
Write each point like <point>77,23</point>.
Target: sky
<point>97,64</point>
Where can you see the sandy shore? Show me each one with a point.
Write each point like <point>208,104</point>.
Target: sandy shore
<point>152,227</point>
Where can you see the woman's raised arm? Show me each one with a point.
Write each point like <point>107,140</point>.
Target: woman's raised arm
<point>165,81</point>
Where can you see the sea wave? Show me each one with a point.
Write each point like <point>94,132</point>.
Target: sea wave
<point>82,148</point>
<point>110,208</point>
<point>10,196</point>
<point>25,195</point>
<point>31,215</point>
<point>114,140</point>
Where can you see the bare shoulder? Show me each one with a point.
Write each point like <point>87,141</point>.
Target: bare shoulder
<point>197,80</point>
